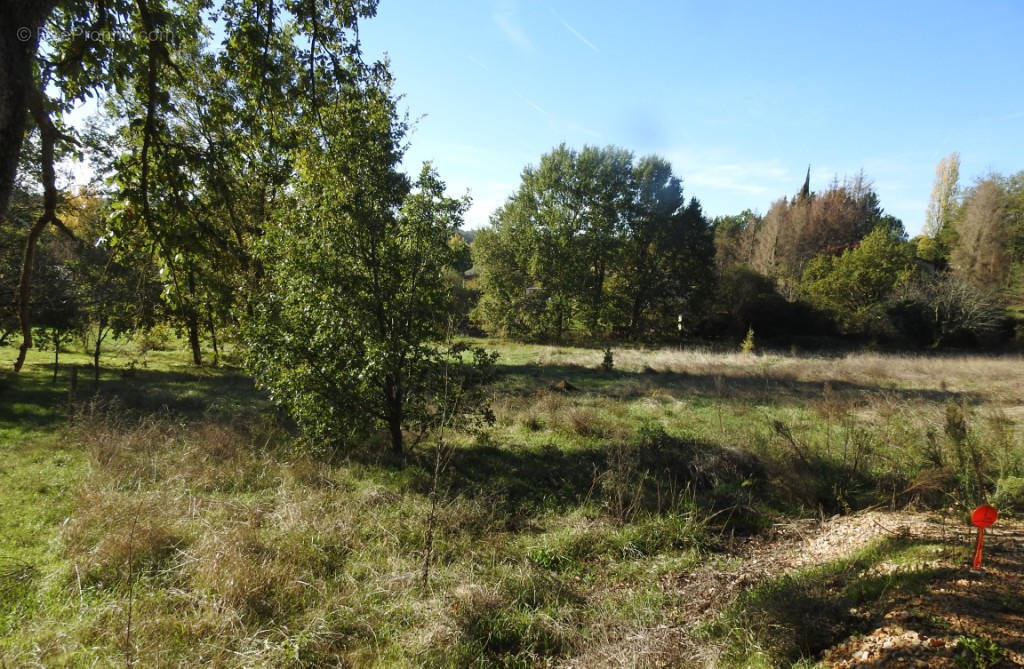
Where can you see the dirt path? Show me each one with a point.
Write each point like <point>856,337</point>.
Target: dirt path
<point>905,630</point>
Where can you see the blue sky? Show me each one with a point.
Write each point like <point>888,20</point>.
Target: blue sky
<point>739,96</point>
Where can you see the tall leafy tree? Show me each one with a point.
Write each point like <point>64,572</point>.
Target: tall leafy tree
<point>149,55</point>
<point>667,254</point>
<point>89,47</point>
<point>855,285</point>
<point>546,263</point>
<point>593,244</point>
<point>355,304</point>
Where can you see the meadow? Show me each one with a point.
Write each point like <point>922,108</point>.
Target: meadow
<point>168,515</point>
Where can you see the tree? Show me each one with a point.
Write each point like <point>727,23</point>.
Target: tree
<point>942,309</point>
<point>117,292</point>
<point>981,252</point>
<point>545,263</point>
<point>594,245</point>
<point>855,285</point>
<point>668,250</point>
<point>76,67</point>
<point>354,303</point>
<point>147,52</point>
<point>58,311</point>
<point>811,223</point>
<point>1013,186</point>
<point>733,237</point>
<point>943,198</point>
<point>942,205</point>
<point>20,24</point>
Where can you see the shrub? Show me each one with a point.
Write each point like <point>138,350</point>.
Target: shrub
<point>608,363</point>
<point>747,345</point>
<point>1009,494</point>
<point>156,338</point>
<point>944,310</point>
<point>977,652</point>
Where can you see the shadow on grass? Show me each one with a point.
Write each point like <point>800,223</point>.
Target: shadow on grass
<point>32,400</point>
<point>769,387</point>
<point>29,400</point>
<point>186,392</point>
<point>650,474</point>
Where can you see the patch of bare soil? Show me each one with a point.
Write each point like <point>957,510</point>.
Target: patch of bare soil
<point>932,628</point>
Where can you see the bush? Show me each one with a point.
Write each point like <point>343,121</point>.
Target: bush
<point>1009,494</point>
<point>156,338</point>
<point>945,310</point>
<point>747,345</point>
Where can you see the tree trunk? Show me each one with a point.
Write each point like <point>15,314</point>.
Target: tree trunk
<point>192,316</point>
<point>96,353</point>
<point>20,22</point>
<point>48,136</point>
<point>24,282</point>
<point>393,410</point>
<point>636,314</point>
<point>56,355</point>
<point>213,338</point>
<point>395,428</point>
<point>193,340</point>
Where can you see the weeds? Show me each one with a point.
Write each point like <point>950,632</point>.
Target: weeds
<point>550,536</point>
<point>977,652</point>
<point>968,455</point>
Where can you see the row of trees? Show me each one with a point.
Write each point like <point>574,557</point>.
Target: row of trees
<point>596,245</point>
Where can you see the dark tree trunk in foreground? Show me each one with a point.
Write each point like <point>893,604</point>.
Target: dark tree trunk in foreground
<point>28,260</point>
<point>20,22</point>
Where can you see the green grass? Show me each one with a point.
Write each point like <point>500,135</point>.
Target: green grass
<point>177,494</point>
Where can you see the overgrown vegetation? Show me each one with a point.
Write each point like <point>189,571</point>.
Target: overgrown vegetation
<point>555,533</point>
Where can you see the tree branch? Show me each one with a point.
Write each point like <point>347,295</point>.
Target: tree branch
<point>48,137</point>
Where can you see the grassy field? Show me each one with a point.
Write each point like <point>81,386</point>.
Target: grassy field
<point>167,516</point>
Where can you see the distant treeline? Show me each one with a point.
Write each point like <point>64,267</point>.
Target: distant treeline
<point>597,245</point>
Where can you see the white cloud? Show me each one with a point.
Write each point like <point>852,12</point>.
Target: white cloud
<point>750,177</point>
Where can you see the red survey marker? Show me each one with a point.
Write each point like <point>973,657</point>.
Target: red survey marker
<point>982,517</point>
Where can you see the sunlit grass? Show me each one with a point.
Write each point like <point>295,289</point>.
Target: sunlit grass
<point>559,528</point>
